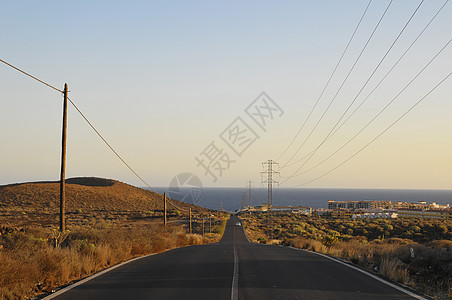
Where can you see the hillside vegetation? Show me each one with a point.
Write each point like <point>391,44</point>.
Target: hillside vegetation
<point>108,222</point>
<point>87,199</point>
<point>415,252</point>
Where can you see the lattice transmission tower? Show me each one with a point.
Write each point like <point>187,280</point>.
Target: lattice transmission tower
<point>270,177</point>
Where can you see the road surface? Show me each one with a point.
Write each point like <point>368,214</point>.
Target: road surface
<point>234,269</point>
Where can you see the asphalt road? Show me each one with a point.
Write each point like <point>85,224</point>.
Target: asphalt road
<point>234,269</point>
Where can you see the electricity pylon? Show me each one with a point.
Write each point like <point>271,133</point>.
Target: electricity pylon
<point>249,186</point>
<point>271,179</point>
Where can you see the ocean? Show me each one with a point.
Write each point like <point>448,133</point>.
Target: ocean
<point>230,199</point>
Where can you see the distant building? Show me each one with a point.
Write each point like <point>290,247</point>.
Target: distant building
<point>292,209</point>
<point>364,204</point>
<point>341,213</point>
<point>419,205</point>
<point>371,204</point>
<point>320,212</point>
<point>435,213</point>
<point>384,214</point>
<point>336,204</point>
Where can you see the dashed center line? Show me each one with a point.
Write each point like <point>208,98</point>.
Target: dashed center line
<point>235,278</point>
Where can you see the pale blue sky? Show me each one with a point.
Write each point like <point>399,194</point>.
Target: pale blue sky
<point>162,79</point>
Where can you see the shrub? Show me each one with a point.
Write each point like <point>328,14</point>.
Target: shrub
<point>31,262</point>
<point>394,269</point>
<point>308,244</point>
<point>376,244</point>
<point>262,240</point>
<point>446,244</point>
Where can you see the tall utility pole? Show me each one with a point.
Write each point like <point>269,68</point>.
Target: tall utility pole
<point>164,209</point>
<point>246,196</point>
<point>250,202</point>
<point>63,164</point>
<point>270,172</point>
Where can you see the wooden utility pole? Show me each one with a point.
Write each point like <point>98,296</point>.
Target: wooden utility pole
<point>203,226</point>
<point>164,209</point>
<point>190,230</point>
<point>63,164</point>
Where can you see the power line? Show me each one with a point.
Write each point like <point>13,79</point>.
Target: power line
<point>327,83</point>
<point>378,114</point>
<point>86,119</point>
<point>37,79</point>
<point>384,131</point>
<point>109,146</point>
<point>95,130</point>
<point>341,86</point>
<point>176,206</point>
<point>379,83</point>
<point>381,111</point>
<point>392,68</point>
<point>362,88</point>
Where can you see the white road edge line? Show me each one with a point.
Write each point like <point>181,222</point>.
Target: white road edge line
<point>235,278</point>
<point>70,287</point>
<point>244,231</point>
<point>367,273</point>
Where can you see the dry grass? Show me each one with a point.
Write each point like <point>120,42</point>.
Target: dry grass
<point>308,244</point>
<point>87,200</point>
<point>31,264</point>
<point>109,222</point>
<point>394,269</point>
<point>425,266</point>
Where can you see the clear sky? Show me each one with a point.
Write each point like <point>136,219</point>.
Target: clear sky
<point>163,80</point>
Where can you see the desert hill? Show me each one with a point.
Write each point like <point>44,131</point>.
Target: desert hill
<point>86,198</point>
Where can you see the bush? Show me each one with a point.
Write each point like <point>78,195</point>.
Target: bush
<point>262,240</point>
<point>394,269</point>
<point>308,244</point>
<point>31,263</point>
<point>411,251</point>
